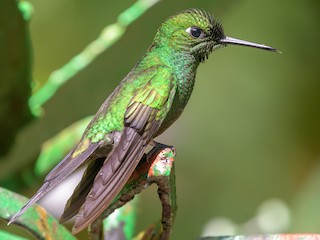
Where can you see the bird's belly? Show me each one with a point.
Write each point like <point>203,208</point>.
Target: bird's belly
<point>179,102</point>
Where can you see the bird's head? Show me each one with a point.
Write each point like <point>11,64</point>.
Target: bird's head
<point>198,33</point>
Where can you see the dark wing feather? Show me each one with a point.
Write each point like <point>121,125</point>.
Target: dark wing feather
<point>80,193</point>
<point>70,163</point>
<point>121,162</point>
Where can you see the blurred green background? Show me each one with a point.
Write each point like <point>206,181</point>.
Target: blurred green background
<point>251,131</point>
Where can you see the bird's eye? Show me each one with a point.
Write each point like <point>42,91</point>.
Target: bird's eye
<point>195,32</point>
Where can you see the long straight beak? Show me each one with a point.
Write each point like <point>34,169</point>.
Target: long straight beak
<point>234,41</point>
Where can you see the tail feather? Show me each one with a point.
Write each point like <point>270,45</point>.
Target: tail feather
<point>110,181</point>
<point>56,176</point>
<point>80,193</point>
<point>41,192</point>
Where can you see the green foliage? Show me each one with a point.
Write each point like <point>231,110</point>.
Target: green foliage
<point>9,236</point>
<point>36,220</point>
<point>126,214</point>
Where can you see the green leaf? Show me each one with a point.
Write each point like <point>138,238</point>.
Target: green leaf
<point>36,220</point>
<point>10,236</point>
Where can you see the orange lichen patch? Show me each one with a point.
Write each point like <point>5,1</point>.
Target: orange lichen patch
<point>162,164</point>
<point>42,223</point>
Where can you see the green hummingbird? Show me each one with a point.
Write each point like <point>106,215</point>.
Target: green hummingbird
<point>145,103</point>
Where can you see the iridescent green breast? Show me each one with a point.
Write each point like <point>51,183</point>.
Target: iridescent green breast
<point>184,72</point>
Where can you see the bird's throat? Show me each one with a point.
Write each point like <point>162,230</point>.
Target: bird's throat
<point>184,67</point>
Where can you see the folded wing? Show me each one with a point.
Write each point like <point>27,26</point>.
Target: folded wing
<point>143,118</point>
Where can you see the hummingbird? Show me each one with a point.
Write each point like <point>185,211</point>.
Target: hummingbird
<point>145,103</point>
